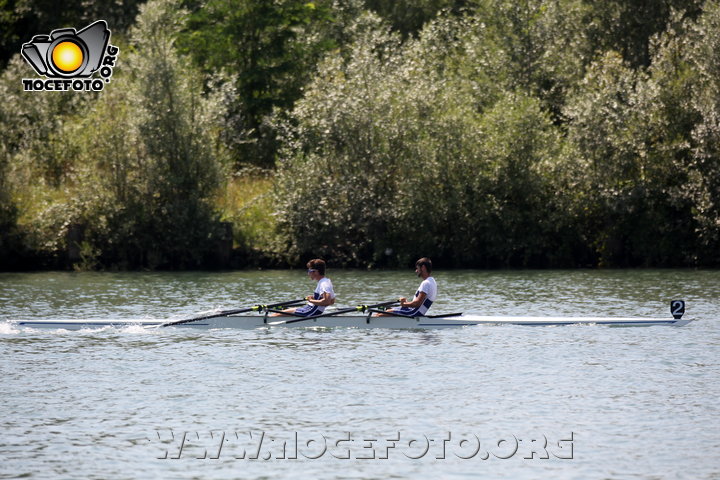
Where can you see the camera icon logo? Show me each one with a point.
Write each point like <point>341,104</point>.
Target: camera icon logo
<point>68,54</point>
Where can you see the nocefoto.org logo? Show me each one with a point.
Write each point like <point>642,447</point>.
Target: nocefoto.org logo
<point>68,58</point>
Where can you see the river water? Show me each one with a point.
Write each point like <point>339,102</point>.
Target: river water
<point>514,402</point>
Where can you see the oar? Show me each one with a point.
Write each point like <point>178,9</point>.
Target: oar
<point>359,308</point>
<point>224,313</point>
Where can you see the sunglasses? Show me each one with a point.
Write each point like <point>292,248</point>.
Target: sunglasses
<point>310,270</point>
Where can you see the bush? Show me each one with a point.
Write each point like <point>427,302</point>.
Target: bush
<point>151,169</point>
<point>405,150</point>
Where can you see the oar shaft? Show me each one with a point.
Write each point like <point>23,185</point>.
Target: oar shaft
<point>359,308</point>
<point>364,308</point>
<point>225,313</point>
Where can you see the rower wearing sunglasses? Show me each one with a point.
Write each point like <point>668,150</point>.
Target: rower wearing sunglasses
<point>323,296</point>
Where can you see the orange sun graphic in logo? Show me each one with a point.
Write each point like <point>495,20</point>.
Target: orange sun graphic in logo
<point>67,56</point>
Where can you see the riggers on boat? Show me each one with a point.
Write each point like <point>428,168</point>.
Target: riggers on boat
<point>363,318</point>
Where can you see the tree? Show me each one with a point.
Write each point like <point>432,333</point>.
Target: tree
<point>628,172</point>
<point>409,17</point>
<point>627,27</point>
<point>33,165</point>
<point>148,145</point>
<point>704,169</point>
<point>180,170</point>
<point>9,241</point>
<point>405,149</point>
<point>541,46</point>
<point>270,49</point>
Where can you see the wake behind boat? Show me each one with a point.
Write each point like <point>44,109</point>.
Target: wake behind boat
<point>344,318</point>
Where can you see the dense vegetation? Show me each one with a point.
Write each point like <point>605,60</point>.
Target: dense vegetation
<point>488,133</point>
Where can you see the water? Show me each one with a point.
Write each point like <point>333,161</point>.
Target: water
<point>598,402</point>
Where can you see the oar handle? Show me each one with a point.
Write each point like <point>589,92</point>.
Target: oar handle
<point>289,303</point>
<point>365,308</point>
<point>268,308</point>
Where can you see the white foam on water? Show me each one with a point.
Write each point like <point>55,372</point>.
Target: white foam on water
<point>8,328</point>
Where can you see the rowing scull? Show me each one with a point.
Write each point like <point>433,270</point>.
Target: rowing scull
<point>368,321</point>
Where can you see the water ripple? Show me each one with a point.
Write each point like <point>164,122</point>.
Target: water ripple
<point>638,402</point>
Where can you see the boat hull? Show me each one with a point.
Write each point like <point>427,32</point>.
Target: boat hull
<point>357,321</point>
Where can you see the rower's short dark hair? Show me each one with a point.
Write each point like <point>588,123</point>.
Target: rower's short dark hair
<point>317,264</point>
<point>424,261</point>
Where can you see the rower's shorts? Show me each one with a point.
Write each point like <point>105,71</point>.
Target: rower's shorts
<point>308,311</point>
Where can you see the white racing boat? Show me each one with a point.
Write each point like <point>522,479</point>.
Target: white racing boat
<point>341,318</point>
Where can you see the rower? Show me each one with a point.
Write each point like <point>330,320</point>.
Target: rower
<point>425,295</point>
<point>323,295</point>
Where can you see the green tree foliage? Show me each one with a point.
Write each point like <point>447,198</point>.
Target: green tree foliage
<point>485,133</point>
<point>134,168</point>
<point>9,235</point>
<point>704,168</point>
<point>30,122</point>
<point>627,26</point>
<point>473,143</point>
<point>155,161</point>
<point>627,193</point>
<point>33,158</point>
<point>542,44</point>
<point>399,150</point>
<point>337,156</point>
<point>271,49</point>
<point>409,17</point>
<point>648,179</point>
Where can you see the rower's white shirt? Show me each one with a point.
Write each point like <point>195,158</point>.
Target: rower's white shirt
<point>324,285</point>
<point>429,287</point>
